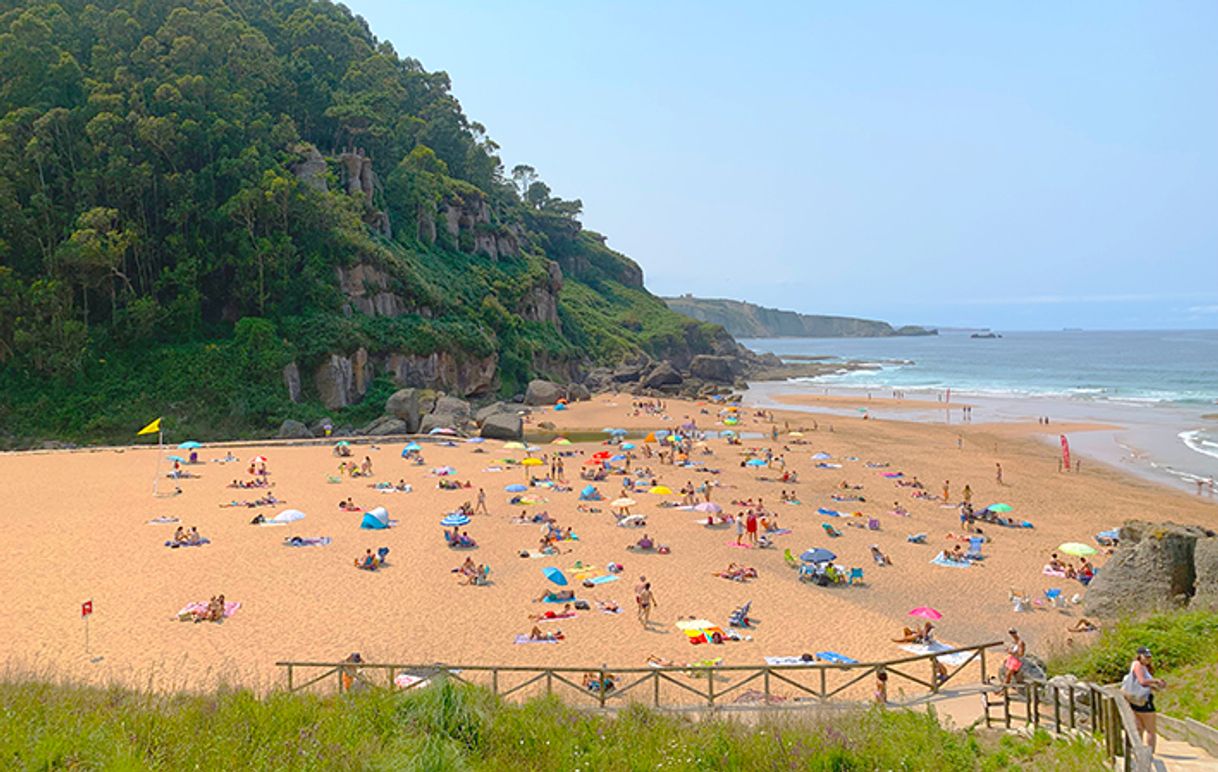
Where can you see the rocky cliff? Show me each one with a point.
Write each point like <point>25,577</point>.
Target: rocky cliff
<point>1157,566</point>
<point>747,320</point>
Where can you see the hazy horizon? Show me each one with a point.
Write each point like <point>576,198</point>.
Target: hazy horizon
<point>955,166</point>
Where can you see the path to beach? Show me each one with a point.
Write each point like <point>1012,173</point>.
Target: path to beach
<point>76,527</point>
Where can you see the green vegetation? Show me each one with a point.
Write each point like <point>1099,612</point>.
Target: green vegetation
<point>172,169</point>
<point>747,320</point>
<point>451,727</point>
<point>1185,646</point>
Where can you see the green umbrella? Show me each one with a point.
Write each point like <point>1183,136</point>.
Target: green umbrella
<point>1000,507</point>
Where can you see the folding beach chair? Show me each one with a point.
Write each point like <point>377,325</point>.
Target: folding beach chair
<point>873,524</point>
<point>856,575</point>
<point>790,559</point>
<point>1054,596</point>
<point>740,617</point>
<point>916,538</point>
<point>829,529</point>
<point>974,548</point>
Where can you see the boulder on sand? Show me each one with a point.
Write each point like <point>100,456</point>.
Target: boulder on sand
<point>542,392</point>
<point>503,426</point>
<point>664,374</point>
<point>384,426</point>
<point>1154,567</point>
<point>404,405</point>
<point>293,430</point>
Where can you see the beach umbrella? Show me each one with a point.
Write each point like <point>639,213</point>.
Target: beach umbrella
<point>455,519</point>
<point>727,433</point>
<point>795,434</point>
<point>341,444</point>
<point>817,555</point>
<point>861,409</point>
<point>513,445</point>
<point>926,612</point>
<point>651,437</point>
<point>628,446</point>
<point>756,462</point>
<point>623,502</point>
<point>516,488</point>
<point>661,433</point>
<point>661,490</point>
<point>602,455</point>
<point>288,516</point>
<point>475,440</point>
<point>530,461</point>
<point>560,441</point>
<point>1000,507</point>
<point>443,430</point>
<point>179,459</point>
<point>708,507</point>
<point>593,462</point>
<point>554,575</point>
<point>258,460</point>
<point>190,445</point>
<point>820,456</point>
<point>413,447</point>
<point>1076,549</point>
<point>618,432</point>
<point>618,457</point>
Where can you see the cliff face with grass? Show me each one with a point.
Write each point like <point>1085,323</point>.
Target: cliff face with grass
<point>746,320</point>
<point>232,212</point>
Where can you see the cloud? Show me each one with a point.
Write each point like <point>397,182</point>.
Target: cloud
<point>1210,309</point>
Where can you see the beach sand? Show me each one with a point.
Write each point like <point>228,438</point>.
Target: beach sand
<point>75,528</point>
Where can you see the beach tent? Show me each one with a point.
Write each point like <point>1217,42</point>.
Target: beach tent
<point>590,493</point>
<point>412,447</point>
<point>287,516</point>
<point>821,456</point>
<point>561,441</point>
<point>756,462</point>
<point>375,519</point>
<point>455,519</point>
<point>560,406</point>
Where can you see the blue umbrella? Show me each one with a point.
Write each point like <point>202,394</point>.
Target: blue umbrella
<point>627,446</point>
<point>661,433</point>
<point>618,457</point>
<point>516,488</point>
<point>818,555</point>
<point>554,575</point>
<point>617,432</point>
<point>821,456</point>
<point>756,462</point>
<point>454,519</point>
<point>190,445</point>
<point>179,459</point>
<point>476,440</point>
<point>413,446</point>
<point>727,433</point>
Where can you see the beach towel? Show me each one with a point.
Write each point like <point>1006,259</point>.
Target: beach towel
<point>828,512</point>
<point>163,520</point>
<point>552,599</point>
<point>523,639</point>
<point>835,658</point>
<point>714,524</point>
<point>954,660</point>
<point>778,531</point>
<point>200,606</point>
<point>792,501</point>
<point>943,560</point>
<point>602,579</point>
<point>306,541</point>
<point>786,661</point>
<point>174,545</point>
<point>742,545</point>
<point>1056,574</point>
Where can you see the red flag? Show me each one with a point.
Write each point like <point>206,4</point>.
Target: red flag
<point>1065,453</point>
<point>86,608</point>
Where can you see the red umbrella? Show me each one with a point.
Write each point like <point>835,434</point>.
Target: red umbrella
<point>926,612</point>
<point>592,462</point>
<point>602,455</point>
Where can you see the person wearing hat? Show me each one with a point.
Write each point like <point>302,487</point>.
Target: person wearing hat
<point>1138,687</point>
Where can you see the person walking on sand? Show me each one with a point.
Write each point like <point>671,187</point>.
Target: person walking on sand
<point>481,503</point>
<point>1138,688</point>
<point>1015,654</point>
<point>967,494</point>
<point>647,602</point>
<point>739,529</point>
<point>998,472</point>
<point>947,491</point>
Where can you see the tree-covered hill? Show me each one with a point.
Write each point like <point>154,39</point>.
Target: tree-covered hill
<point>237,211</point>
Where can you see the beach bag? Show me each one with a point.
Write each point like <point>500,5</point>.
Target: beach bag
<point>1133,692</point>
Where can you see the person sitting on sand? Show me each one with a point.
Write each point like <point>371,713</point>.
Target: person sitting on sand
<point>368,562</point>
<point>179,535</point>
<point>916,635</point>
<point>645,543</point>
<point>1085,572</point>
<point>468,568</point>
<point>1055,563</point>
<point>879,557</point>
<point>1083,625</point>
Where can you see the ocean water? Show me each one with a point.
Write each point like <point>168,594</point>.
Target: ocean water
<point>1160,386</point>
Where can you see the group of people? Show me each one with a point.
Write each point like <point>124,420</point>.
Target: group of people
<point>185,538</point>
<point>1084,573</point>
<point>363,469</point>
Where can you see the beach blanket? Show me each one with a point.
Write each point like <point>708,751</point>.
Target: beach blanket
<point>568,615</point>
<point>943,560</point>
<point>778,531</point>
<point>954,660</point>
<point>552,599</point>
<point>392,489</point>
<point>795,502</point>
<point>163,520</point>
<point>786,661</point>
<point>741,545</point>
<point>823,465</point>
<point>175,544</point>
<point>1050,572</point>
<point>200,606</point>
<point>523,639</point>
<point>602,579</point>
<point>534,554</point>
<point>306,541</point>
<point>836,658</point>
<point>828,512</point>
<point>894,475</point>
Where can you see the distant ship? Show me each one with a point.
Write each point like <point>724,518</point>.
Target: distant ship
<point>985,335</point>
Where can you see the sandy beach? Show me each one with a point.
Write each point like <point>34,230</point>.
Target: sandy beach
<point>76,528</point>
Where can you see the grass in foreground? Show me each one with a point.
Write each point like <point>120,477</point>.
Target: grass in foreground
<point>1185,645</point>
<point>455,727</point>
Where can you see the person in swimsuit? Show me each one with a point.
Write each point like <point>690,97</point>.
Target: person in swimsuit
<point>646,602</point>
<point>1142,670</point>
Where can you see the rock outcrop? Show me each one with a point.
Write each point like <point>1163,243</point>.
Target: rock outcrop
<point>343,380</point>
<point>293,430</point>
<point>358,179</point>
<point>663,374</point>
<point>1205,563</point>
<point>368,291</point>
<point>577,392</point>
<point>1155,566</point>
<point>503,426</point>
<point>310,167</point>
<point>291,381</point>
<point>465,375</point>
<point>384,426</point>
<point>448,413</point>
<point>403,404</point>
<point>542,392</point>
<point>540,303</point>
<point>719,369</point>
<point>466,218</point>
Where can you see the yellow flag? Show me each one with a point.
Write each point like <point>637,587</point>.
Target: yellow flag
<point>151,428</point>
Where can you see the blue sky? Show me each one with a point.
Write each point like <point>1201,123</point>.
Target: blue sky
<point>1019,165</point>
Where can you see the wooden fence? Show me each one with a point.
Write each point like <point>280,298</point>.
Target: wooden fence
<point>1077,707</point>
<point>697,686</point>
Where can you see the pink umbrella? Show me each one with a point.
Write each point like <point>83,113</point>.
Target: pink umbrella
<point>708,507</point>
<point>926,612</point>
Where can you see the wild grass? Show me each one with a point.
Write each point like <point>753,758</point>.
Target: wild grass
<point>457,727</point>
<point>1185,648</point>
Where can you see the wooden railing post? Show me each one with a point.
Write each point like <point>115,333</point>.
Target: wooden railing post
<point>495,681</point>
<point>710,686</point>
<point>603,686</point>
<point>290,678</point>
<point>1034,704</point>
<point>549,682</point>
<point>1057,709</point>
<point>1006,708</point>
<point>655,679</point>
<point>983,673</point>
<point>766,681</point>
<point>824,689</point>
